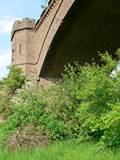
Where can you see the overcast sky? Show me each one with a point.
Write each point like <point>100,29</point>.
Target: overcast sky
<point>10,10</point>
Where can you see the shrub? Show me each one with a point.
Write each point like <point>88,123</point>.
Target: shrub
<point>27,105</point>
<point>111,127</point>
<point>15,79</point>
<point>8,85</point>
<point>85,94</point>
<point>84,105</point>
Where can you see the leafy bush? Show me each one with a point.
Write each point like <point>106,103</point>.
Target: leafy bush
<point>111,127</point>
<point>27,105</point>
<point>15,79</point>
<point>78,103</point>
<point>8,85</point>
<point>84,105</point>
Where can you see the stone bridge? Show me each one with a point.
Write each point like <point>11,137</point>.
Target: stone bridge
<point>67,31</point>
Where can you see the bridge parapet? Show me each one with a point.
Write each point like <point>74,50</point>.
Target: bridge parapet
<point>25,23</point>
<point>46,12</point>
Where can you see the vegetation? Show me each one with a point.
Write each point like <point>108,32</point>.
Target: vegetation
<point>66,150</point>
<point>84,106</point>
<point>8,86</point>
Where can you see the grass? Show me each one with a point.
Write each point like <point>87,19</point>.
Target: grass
<point>67,150</point>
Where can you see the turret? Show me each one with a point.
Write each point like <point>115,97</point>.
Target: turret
<point>22,37</point>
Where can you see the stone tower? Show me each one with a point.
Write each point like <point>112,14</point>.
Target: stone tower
<point>22,38</point>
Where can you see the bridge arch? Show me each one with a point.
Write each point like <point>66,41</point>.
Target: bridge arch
<point>67,31</point>
<point>47,28</point>
<point>87,27</point>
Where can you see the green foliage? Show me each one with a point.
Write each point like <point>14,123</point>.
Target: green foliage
<point>84,105</point>
<point>15,79</point>
<point>78,103</point>
<point>8,85</point>
<point>27,105</point>
<point>111,127</point>
<point>65,150</point>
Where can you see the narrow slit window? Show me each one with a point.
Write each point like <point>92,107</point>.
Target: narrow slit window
<point>13,50</point>
<point>20,48</point>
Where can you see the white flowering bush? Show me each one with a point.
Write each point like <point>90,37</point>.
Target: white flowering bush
<point>21,94</point>
<point>28,104</point>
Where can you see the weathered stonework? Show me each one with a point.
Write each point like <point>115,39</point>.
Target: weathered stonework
<point>22,37</point>
<point>31,41</point>
<point>67,31</point>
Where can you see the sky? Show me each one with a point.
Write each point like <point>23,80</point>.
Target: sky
<point>11,10</point>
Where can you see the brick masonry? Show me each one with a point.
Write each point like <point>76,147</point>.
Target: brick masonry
<point>31,40</point>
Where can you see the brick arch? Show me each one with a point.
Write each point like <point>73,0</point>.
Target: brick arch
<point>47,27</point>
<point>94,26</point>
<point>88,27</point>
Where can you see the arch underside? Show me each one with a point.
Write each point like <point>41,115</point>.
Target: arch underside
<point>90,26</point>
